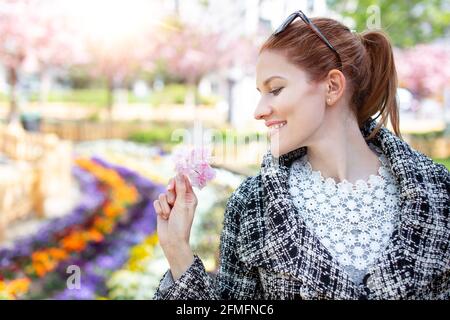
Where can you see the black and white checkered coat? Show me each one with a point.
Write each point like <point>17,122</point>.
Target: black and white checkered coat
<point>266,251</point>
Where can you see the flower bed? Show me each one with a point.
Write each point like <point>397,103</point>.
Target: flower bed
<point>115,213</point>
<point>111,235</point>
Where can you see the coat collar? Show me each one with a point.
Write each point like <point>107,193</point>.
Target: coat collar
<point>287,246</point>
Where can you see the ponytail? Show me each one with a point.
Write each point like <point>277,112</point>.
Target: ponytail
<point>378,93</point>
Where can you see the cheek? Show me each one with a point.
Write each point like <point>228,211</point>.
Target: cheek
<point>306,112</point>
<point>304,117</point>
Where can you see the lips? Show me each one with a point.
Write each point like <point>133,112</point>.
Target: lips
<point>275,127</point>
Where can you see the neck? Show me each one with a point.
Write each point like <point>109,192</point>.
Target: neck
<point>339,151</point>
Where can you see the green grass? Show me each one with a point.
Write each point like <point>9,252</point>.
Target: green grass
<point>445,162</point>
<point>87,97</point>
<point>172,94</point>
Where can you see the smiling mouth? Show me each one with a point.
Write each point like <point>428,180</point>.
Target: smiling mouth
<point>276,128</point>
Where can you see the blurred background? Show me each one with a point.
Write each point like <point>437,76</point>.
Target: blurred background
<point>94,93</point>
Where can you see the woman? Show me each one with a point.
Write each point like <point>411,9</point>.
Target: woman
<point>342,208</point>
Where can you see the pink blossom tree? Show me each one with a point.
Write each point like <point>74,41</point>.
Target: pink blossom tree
<point>189,53</point>
<point>424,69</point>
<point>116,60</point>
<point>33,38</point>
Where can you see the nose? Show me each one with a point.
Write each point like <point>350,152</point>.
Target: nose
<point>262,110</point>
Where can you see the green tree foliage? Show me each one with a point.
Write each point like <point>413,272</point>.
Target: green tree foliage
<point>407,22</point>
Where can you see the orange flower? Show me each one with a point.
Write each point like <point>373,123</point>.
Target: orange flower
<point>57,253</point>
<point>112,210</point>
<point>94,235</point>
<point>103,224</point>
<point>42,262</point>
<point>74,242</point>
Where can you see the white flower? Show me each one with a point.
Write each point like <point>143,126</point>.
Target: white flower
<point>367,199</point>
<point>345,259</point>
<point>325,208</point>
<point>379,193</point>
<point>363,227</point>
<point>308,193</point>
<point>361,186</point>
<point>311,204</point>
<point>340,212</point>
<point>295,191</point>
<point>375,246</point>
<point>353,216</point>
<point>335,235</point>
<point>391,200</point>
<point>334,200</point>
<point>375,233</point>
<point>379,205</point>
<point>349,239</point>
<point>321,197</point>
<point>387,228</point>
<point>339,247</point>
<point>358,251</point>
<point>317,187</point>
<point>345,188</point>
<point>329,188</point>
<point>299,202</point>
<point>322,230</point>
<point>375,180</point>
<point>305,185</point>
<point>351,204</point>
<point>391,188</point>
<point>364,238</point>
<point>360,263</point>
<point>366,212</point>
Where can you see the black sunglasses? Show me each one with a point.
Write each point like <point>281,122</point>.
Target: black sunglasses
<point>316,30</point>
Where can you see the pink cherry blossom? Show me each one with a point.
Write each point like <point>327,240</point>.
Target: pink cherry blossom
<point>194,163</point>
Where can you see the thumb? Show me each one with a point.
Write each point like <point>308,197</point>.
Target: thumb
<point>180,187</point>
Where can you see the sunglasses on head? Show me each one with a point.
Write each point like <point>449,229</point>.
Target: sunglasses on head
<point>314,28</point>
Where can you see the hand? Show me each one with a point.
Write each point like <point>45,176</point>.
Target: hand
<point>175,213</point>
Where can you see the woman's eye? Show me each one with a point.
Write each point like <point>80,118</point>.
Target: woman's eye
<point>276,91</point>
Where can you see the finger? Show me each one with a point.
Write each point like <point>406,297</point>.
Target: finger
<point>188,184</point>
<point>157,207</point>
<point>170,197</point>
<point>164,205</point>
<point>180,187</point>
<point>171,184</point>
<point>160,221</point>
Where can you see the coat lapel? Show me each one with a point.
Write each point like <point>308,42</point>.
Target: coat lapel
<point>283,244</point>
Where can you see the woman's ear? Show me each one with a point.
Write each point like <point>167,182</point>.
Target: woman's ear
<point>335,86</point>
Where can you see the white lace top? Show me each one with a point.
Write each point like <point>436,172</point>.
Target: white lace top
<point>353,221</point>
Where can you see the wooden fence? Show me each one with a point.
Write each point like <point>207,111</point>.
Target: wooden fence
<point>40,168</point>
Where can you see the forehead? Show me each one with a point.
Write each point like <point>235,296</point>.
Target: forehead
<point>272,63</point>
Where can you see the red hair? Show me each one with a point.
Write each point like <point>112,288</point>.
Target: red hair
<point>367,64</point>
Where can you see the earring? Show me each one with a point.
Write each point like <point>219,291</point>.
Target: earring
<point>328,100</point>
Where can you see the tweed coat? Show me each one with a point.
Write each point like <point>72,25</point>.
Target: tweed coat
<point>267,252</point>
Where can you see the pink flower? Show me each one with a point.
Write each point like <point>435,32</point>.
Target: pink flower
<point>194,163</point>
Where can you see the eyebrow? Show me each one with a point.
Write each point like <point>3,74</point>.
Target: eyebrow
<point>270,79</point>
